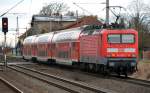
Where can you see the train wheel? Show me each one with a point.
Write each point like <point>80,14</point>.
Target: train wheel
<point>34,60</point>
<point>101,69</point>
<point>96,68</point>
<point>118,71</point>
<point>105,71</point>
<point>91,67</point>
<point>83,66</point>
<point>126,75</point>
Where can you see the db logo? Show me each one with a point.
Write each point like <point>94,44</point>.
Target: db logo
<point>120,50</point>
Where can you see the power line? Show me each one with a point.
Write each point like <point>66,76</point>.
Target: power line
<point>90,3</point>
<point>82,8</point>
<point>11,8</point>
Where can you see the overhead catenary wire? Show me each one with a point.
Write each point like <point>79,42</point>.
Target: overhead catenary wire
<point>82,8</point>
<point>89,3</point>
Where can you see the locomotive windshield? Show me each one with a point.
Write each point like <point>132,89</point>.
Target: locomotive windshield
<point>121,38</point>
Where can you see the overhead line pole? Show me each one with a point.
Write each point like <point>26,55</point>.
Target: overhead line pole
<point>107,12</point>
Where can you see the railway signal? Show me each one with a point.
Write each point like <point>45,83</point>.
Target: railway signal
<point>5,25</point>
<point>5,30</point>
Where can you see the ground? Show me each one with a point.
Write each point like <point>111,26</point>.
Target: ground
<point>143,70</point>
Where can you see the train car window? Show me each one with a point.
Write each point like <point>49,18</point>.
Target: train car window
<point>63,54</point>
<point>73,44</point>
<point>114,38</point>
<point>128,38</point>
<point>49,46</point>
<point>53,46</point>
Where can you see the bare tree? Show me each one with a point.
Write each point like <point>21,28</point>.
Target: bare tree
<point>139,18</point>
<point>139,13</point>
<point>54,9</point>
<point>70,13</point>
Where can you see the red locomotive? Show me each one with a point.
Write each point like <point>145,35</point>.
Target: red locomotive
<point>91,47</point>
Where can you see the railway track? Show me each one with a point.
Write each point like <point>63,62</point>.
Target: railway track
<point>65,84</point>
<point>10,85</point>
<point>131,80</point>
<point>140,82</point>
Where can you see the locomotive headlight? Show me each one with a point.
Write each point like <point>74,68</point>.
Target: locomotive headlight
<point>129,50</point>
<point>133,55</point>
<point>112,49</point>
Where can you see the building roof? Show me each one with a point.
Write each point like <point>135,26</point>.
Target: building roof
<point>87,20</point>
<point>45,18</point>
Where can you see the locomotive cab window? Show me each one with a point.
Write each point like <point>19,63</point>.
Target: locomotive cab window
<point>121,38</point>
<point>114,38</point>
<point>128,38</point>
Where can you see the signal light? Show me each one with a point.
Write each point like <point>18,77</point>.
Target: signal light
<point>5,24</point>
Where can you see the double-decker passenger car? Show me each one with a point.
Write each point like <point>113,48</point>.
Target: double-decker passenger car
<point>91,47</point>
<point>29,50</point>
<point>67,46</point>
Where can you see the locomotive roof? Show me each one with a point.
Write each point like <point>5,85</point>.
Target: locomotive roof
<point>67,35</point>
<point>119,31</point>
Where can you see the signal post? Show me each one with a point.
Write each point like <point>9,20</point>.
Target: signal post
<point>5,30</point>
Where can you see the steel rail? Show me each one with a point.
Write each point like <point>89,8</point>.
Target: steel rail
<point>11,85</point>
<point>144,83</point>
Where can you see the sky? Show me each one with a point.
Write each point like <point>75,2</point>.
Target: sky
<point>27,8</point>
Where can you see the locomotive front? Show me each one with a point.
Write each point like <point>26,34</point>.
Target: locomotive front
<point>121,50</point>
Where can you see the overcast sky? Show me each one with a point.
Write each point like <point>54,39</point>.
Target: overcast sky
<point>30,7</point>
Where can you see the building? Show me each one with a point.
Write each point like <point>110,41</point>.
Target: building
<point>43,23</point>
